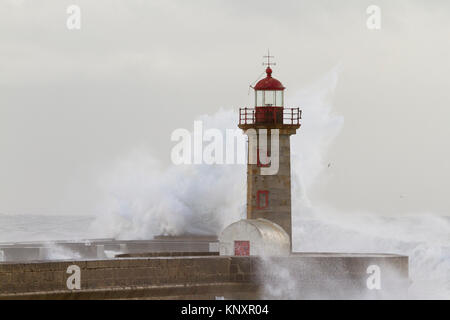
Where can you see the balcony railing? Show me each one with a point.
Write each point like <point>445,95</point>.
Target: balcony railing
<point>270,115</point>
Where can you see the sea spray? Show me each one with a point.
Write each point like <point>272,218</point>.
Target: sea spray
<point>143,199</point>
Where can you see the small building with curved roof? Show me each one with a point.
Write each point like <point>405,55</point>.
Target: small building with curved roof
<point>254,237</point>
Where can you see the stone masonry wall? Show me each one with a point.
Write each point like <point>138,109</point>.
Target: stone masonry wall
<point>295,277</point>
<point>126,274</point>
<point>278,186</point>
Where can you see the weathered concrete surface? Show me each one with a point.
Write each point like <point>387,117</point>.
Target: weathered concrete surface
<point>333,276</point>
<point>154,277</point>
<point>98,248</point>
<point>166,254</point>
<point>234,290</point>
<point>298,276</point>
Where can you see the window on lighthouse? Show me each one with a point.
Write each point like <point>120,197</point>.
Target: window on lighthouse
<point>259,98</point>
<point>279,98</point>
<point>269,98</point>
<point>262,199</point>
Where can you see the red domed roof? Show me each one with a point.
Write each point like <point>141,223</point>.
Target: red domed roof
<point>268,83</point>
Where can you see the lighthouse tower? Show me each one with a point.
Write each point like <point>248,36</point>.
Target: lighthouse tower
<point>269,126</point>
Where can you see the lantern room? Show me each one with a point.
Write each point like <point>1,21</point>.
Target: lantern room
<point>269,92</point>
<point>269,99</point>
<point>269,110</point>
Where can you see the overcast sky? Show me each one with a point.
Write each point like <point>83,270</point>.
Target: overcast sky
<point>73,101</point>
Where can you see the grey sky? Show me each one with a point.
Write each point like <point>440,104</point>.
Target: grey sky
<point>73,101</point>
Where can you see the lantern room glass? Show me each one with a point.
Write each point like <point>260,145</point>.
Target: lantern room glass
<point>259,95</point>
<point>269,98</point>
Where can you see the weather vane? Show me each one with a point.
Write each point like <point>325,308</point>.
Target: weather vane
<point>268,63</point>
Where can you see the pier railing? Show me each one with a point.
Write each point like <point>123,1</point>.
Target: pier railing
<point>270,115</point>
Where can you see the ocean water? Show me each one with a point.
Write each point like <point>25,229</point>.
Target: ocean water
<point>23,228</point>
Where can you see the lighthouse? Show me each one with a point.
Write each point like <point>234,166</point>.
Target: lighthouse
<point>268,125</point>
<point>269,192</point>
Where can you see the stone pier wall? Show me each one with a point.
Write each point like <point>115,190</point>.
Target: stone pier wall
<point>158,277</point>
<point>295,277</point>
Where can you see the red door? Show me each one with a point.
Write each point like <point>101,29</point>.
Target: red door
<point>242,248</point>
